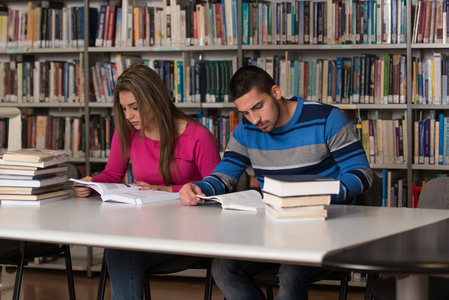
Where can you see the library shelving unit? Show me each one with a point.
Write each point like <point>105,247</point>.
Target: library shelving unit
<point>242,50</point>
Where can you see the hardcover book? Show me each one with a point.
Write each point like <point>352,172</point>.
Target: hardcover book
<point>300,185</point>
<point>308,212</point>
<point>274,200</point>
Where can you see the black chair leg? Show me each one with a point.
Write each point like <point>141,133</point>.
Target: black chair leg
<point>146,287</point>
<point>103,278</point>
<point>369,281</point>
<point>208,291</point>
<point>344,285</point>
<point>69,272</point>
<point>19,271</point>
<point>269,289</point>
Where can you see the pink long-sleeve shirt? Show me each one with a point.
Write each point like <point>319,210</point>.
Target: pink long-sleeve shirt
<point>196,155</point>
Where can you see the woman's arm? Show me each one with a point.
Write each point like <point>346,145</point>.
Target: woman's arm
<point>115,168</point>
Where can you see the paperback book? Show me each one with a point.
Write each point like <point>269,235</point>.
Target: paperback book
<point>11,170</point>
<point>127,193</point>
<point>250,200</point>
<point>35,202</point>
<point>35,155</point>
<point>18,190</point>
<point>33,182</point>
<point>36,197</point>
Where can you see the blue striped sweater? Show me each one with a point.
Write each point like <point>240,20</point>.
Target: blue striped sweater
<point>318,139</point>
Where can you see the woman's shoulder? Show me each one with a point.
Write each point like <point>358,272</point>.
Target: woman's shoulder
<point>196,131</point>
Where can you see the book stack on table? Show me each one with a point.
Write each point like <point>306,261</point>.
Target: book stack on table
<point>298,196</point>
<point>33,176</point>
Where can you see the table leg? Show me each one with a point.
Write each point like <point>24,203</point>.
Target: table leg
<point>412,287</point>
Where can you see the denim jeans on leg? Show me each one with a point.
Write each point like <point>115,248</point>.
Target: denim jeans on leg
<point>294,281</point>
<point>126,271</point>
<point>233,277</point>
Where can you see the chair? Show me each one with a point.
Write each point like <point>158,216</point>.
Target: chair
<point>371,197</point>
<point>176,265</point>
<point>19,252</point>
<point>434,194</point>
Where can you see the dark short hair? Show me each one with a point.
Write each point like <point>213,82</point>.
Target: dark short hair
<point>247,78</point>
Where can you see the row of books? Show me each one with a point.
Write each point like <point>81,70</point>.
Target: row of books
<point>324,22</point>
<point>49,24</point>
<point>33,177</point>
<point>394,188</point>
<point>360,79</point>
<point>384,141</point>
<point>68,134</point>
<point>430,80</point>
<point>431,140</point>
<point>430,22</point>
<point>365,79</point>
<point>26,80</point>
<point>197,24</point>
<point>220,126</point>
<point>202,81</point>
<point>288,22</point>
<point>59,26</point>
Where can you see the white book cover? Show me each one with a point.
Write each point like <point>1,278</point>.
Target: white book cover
<point>250,200</point>
<point>437,78</point>
<point>127,193</point>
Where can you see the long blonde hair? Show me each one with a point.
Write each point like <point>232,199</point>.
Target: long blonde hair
<point>148,90</point>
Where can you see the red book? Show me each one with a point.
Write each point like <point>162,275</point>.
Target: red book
<point>337,22</point>
<point>110,38</point>
<point>106,26</point>
<point>219,23</point>
<point>426,34</point>
<point>421,21</point>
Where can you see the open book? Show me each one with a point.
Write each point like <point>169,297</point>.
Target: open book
<point>249,200</point>
<point>126,193</point>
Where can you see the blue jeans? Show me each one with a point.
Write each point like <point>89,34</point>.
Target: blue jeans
<point>126,271</point>
<point>233,277</point>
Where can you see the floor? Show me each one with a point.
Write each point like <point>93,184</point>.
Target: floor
<point>42,284</point>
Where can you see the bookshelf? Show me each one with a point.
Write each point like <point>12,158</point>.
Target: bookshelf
<point>239,52</point>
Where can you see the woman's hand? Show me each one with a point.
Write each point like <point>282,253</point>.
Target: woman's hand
<point>147,186</point>
<point>81,190</point>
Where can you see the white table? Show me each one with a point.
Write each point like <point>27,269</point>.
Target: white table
<point>208,230</point>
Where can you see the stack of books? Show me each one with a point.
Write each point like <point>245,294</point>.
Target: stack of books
<point>33,176</point>
<point>298,196</point>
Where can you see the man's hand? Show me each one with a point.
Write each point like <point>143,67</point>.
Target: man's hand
<point>188,194</point>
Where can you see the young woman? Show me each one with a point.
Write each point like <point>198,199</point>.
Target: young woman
<point>166,149</point>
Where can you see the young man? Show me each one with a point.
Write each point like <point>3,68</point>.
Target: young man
<point>281,136</point>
